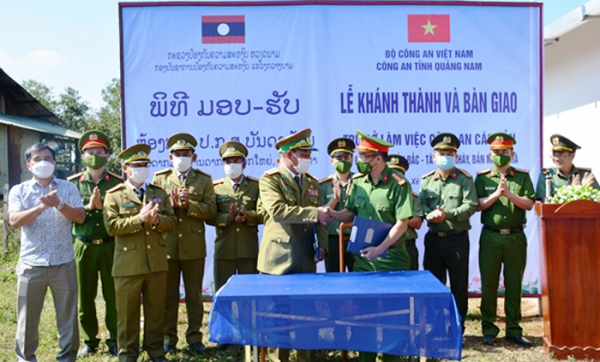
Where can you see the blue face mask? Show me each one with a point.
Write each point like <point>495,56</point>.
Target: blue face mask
<point>445,162</point>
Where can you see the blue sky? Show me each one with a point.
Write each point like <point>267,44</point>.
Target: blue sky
<point>75,43</point>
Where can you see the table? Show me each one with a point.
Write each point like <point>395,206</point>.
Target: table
<point>408,313</point>
<point>405,313</point>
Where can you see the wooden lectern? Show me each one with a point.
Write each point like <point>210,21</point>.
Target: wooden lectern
<point>570,266</point>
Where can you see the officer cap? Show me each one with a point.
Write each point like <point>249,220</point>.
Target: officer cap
<point>297,141</point>
<point>93,138</point>
<point>397,162</point>
<point>501,140</point>
<point>370,143</point>
<point>137,153</point>
<point>562,143</point>
<point>445,141</point>
<point>181,141</point>
<point>341,146</point>
<point>233,149</point>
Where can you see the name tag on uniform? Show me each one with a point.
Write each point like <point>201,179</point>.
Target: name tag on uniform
<point>129,204</point>
<point>169,186</point>
<point>289,191</point>
<point>491,187</point>
<point>313,192</point>
<point>221,197</point>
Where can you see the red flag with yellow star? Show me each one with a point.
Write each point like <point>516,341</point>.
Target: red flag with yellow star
<point>428,28</point>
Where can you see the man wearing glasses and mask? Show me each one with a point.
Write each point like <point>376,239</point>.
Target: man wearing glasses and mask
<point>564,172</point>
<point>94,249</point>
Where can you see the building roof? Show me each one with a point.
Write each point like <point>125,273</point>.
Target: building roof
<point>571,21</point>
<point>39,126</point>
<point>27,104</point>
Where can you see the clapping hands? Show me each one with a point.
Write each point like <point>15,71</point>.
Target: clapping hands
<point>51,199</point>
<point>438,215</point>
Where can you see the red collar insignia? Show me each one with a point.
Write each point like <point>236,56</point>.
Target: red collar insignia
<point>385,179</point>
<point>82,178</point>
<point>454,175</point>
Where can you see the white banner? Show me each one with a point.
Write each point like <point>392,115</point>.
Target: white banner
<point>403,73</point>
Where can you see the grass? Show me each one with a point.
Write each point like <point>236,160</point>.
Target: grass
<point>473,350</point>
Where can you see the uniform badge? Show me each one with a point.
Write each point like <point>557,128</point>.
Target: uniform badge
<point>129,204</point>
<point>395,160</point>
<point>447,139</point>
<point>106,177</point>
<point>82,178</point>
<point>142,154</point>
<point>385,179</point>
<point>555,140</point>
<point>181,142</point>
<point>313,192</point>
<point>93,137</point>
<point>231,149</point>
<point>499,139</point>
<point>342,144</point>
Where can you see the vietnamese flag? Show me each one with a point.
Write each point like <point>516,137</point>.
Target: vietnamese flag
<point>428,28</point>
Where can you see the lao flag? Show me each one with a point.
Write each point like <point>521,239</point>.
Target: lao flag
<point>223,29</point>
<point>428,28</point>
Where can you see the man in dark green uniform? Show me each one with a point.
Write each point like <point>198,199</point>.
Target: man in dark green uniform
<point>564,172</point>
<point>397,162</point>
<point>94,249</point>
<point>505,194</point>
<point>449,199</point>
<point>334,193</point>
<point>236,243</point>
<point>381,194</point>
<point>137,214</point>
<point>289,202</point>
<point>192,197</point>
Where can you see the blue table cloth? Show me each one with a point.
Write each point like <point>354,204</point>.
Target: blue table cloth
<point>405,313</point>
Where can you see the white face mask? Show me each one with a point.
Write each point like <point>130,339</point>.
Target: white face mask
<point>42,169</point>
<point>233,170</point>
<point>303,164</point>
<point>139,174</point>
<point>182,164</point>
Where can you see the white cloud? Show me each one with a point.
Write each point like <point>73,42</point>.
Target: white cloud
<point>6,60</point>
<point>44,59</point>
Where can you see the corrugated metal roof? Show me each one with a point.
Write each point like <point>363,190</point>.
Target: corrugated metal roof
<point>39,126</point>
<point>27,105</point>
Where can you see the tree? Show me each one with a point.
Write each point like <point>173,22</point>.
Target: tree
<point>108,120</point>
<point>42,93</point>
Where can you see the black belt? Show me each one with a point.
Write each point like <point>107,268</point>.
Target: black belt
<point>97,241</point>
<point>504,231</point>
<point>443,234</point>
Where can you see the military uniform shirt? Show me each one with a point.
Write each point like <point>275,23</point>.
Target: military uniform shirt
<point>326,192</point>
<point>388,201</point>
<point>93,226</point>
<point>417,212</point>
<point>503,214</point>
<point>457,192</point>
<point>559,180</point>
<point>236,240</point>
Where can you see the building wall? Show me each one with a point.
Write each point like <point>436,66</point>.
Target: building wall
<point>3,156</point>
<point>28,138</point>
<point>572,93</point>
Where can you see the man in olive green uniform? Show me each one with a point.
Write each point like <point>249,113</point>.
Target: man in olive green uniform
<point>334,193</point>
<point>236,244</point>
<point>564,172</point>
<point>397,162</point>
<point>289,202</point>
<point>192,196</point>
<point>449,199</point>
<point>94,249</point>
<point>505,194</point>
<point>137,214</point>
<point>383,194</point>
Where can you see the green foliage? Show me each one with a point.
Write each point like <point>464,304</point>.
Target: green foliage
<point>570,193</point>
<point>76,114</point>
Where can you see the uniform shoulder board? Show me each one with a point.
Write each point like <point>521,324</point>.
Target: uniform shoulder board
<point>323,180</point>
<point>466,173</point>
<point>584,169</point>
<point>72,177</point>
<point>155,186</point>
<point>521,170</point>
<point>252,178</point>
<point>546,171</point>
<point>358,175</point>
<point>483,172</point>
<point>415,194</point>
<point>218,181</point>
<point>115,175</point>
<point>203,173</point>
<point>311,176</point>
<point>428,174</point>
<point>272,171</point>
<point>118,187</point>
<point>399,179</point>
<point>162,172</point>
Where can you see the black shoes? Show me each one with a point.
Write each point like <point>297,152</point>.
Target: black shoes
<point>197,347</point>
<point>520,340</point>
<point>86,351</point>
<point>114,350</point>
<point>489,340</point>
